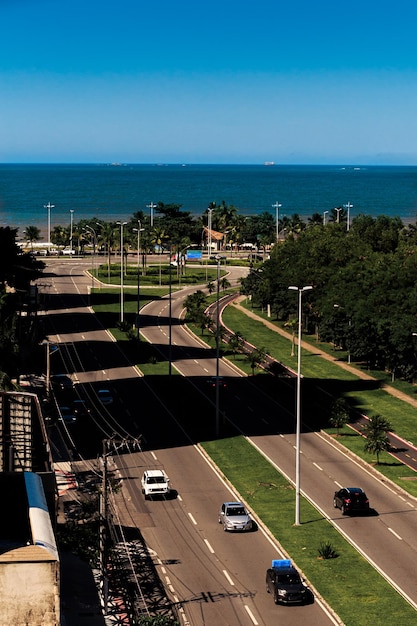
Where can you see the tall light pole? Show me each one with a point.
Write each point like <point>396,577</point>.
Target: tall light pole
<point>218,259</point>
<point>338,213</point>
<point>300,290</point>
<point>324,217</point>
<point>348,206</point>
<point>138,230</point>
<point>91,229</point>
<point>71,223</point>
<point>121,224</point>
<point>277,207</point>
<point>170,319</point>
<point>49,206</point>
<point>151,206</point>
<point>210,222</point>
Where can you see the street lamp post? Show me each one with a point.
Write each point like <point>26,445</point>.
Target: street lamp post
<point>300,290</point>
<point>218,259</point>
<point>338,209</point>
<point>151,206</point>
<point>138,230</point>
<point>209,228</point>
<point>324,217</point>
<point>91,229</point>
<point>71,223</point>
<point>49,206</point>
<point>348,206</point>
<point>277,207</point>
<point>121,224</point>
<point>181,262</point>
<point>337,306</point>
<point>170,319</point>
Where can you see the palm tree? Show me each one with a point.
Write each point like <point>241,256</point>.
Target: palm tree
<point>315,220</point>
<point>33,234</point>
<point>375,432</point>
<point>256,358</point>
<point>107,236</point>
<point>237,343</point>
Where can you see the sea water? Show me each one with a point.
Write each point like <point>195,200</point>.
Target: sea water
<point>113,192</point>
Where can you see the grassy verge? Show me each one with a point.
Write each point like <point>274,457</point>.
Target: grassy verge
<point>357,593</point>
<point>401,415</point>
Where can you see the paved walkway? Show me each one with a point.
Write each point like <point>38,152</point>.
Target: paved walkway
<point>329,357</point>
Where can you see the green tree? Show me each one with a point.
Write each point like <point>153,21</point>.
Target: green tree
<point>340,414</point>
<point>33,234</point>
<point>256,358</point>
<point>236,343</point>
<point>195,303</point>
<point>375,432</point>
<point>224,283</point>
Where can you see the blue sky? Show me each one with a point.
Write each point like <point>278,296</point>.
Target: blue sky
<point>208,82</point>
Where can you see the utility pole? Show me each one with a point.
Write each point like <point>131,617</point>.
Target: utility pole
<point>116,444</point>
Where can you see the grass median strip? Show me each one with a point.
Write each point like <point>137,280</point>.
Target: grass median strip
<point>401,415</point>
<point>350,585</point>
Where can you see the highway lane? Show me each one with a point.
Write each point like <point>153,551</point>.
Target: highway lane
<point>221,578</point>
<point>216,577</point>
<point>387,539</point>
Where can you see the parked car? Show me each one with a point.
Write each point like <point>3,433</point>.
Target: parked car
<point>155,482</point>
<point>67,414</point>
<point>105,396</point>
<point>285,584</point>
<point>234,517</point>
<point>351,499</point>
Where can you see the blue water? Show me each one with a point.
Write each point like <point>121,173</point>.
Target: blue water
<point>115,192</point>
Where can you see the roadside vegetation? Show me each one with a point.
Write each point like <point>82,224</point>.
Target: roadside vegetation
<point>327,560</point>
<point>348,583</point>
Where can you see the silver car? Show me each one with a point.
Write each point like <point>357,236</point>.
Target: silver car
<point>234,516</point>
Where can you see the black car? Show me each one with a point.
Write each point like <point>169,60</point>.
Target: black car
<point>81,408</point>
<point>285,584</point>
<point>351,499</point>
<point>212,382</point>
<point>62,382</point>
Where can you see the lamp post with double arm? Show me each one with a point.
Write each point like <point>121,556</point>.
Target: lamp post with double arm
<point>121,224</point>
<point>300,290</point>
<point>138,230</point>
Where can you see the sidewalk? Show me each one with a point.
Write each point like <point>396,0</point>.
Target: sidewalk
<point>307,346</point>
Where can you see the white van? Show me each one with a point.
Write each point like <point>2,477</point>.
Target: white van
<point>155,483</point>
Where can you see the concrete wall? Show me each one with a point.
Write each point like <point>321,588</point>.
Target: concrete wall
<point>29,588</point>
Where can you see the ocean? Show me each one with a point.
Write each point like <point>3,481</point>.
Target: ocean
<point>116,191</point>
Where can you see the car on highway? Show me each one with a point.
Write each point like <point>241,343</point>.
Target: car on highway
<point>212,381</point>
<point>350,500</point>
<point>234,517</point>
<point>62,382</point>
<point>105,396</point>
<point>67,414</point>
<point>155,482</point>
<point>285,585</point>
<point>81,408</point>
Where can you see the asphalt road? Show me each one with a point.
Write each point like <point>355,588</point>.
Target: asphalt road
<point>218,577</point>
